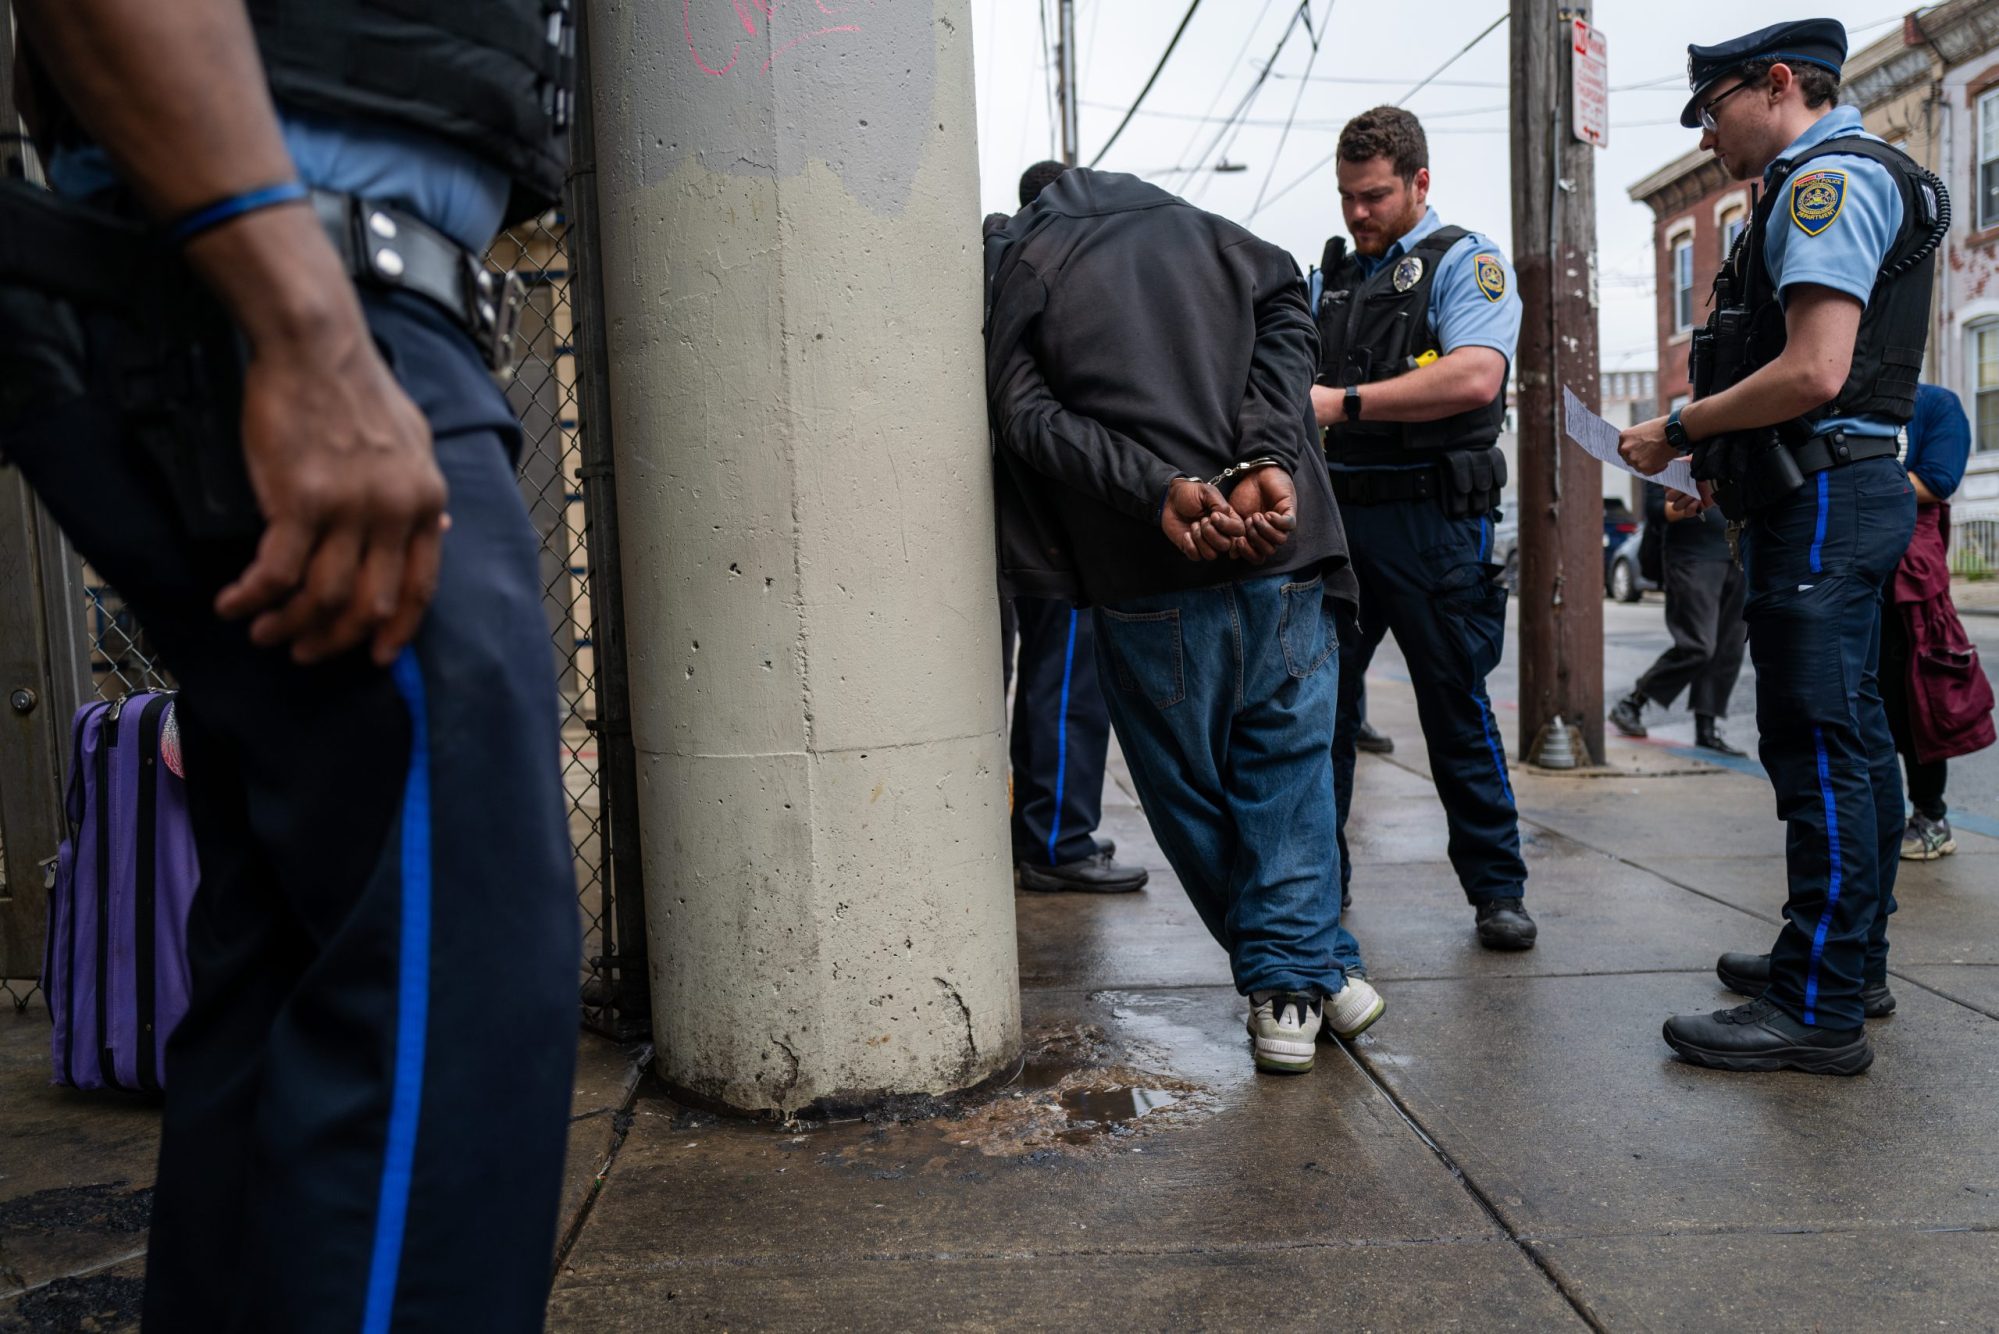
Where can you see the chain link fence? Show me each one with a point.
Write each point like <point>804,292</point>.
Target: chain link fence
<point>545,394</point>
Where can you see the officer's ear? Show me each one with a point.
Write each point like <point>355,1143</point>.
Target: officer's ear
<point>1419,184</point>
<point>1782,79</point>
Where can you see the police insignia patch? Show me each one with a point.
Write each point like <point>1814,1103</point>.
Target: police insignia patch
<point>1816,199</point>
<point>1408,272</point>
<point>1490,275</point>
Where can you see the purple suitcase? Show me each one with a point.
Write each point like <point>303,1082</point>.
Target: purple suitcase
<point>116,971</point>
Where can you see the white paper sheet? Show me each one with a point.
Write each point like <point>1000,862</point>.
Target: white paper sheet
<point>1599,439</point>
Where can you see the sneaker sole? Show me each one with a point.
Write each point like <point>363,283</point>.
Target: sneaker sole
<point>1949,846</point>
<point>1851,1059</point>
<point>1879,1007</point>
<point>1028,877</point>
<point>1279,1056</point>
<point>1379,1008</point>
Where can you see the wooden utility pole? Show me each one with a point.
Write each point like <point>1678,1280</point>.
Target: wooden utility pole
<point>1066,92</point>
<point>1560,487</point>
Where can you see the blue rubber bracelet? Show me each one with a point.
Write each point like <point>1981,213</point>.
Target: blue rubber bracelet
<point>190,225</point>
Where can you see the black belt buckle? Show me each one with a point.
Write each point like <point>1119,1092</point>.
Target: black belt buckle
<point>497,297</point>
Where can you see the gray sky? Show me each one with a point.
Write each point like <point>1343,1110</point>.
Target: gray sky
<point>1391,43</point>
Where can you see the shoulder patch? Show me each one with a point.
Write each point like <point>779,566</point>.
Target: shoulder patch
<point>1816,198</point>
<point>1490,275</point>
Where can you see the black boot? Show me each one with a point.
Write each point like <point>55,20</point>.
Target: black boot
<point>1760,1036</point>
<point>1503,924</point>
<point>1749,975</point>
<point>1707,735</point>
<point>1371,741</point>
<point>1093,875</point>
<point>1627,715</point>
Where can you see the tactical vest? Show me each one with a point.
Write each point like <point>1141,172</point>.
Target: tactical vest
<point>495,77</point>
<point>1894,326</point>
<point>1372,329</point>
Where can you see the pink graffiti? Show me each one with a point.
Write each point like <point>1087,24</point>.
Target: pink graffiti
<point>748,14</point>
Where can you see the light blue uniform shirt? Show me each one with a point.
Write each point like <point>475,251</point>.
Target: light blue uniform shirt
<point>439,182</point>
<point>1834,228</point>
<point>1474,300</point>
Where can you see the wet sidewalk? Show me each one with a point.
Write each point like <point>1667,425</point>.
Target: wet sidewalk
<point>1512,1146</point>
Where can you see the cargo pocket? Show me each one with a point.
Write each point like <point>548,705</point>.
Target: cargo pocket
<point>1305,627</point>
<point>1145,651</point>
<point>1473,604</point>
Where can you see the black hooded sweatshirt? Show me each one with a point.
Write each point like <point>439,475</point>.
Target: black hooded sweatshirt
<point>1132,338</point>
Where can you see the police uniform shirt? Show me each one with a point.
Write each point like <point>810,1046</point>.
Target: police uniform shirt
<point>1833,227</point>
<point>1474,301</point>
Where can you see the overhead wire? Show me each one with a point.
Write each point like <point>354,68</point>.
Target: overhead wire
<point>1225,138</point>
<point>1048,77</point>
<point>1157,70</point>
<point>1320,165</point>
<point>1228,74</point>
<point>1278,153</point>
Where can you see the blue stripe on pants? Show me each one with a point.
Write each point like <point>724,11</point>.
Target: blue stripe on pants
<point>1062,739</point>
<point>1832,872</point>
<point>412,1008</point>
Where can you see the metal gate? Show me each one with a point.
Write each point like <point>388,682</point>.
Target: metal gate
<point>566,482</point>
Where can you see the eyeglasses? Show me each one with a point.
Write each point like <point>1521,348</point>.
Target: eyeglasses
<point>1707,110</point>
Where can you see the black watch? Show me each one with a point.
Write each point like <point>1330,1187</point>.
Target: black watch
<point>1676,434</point>
<point>1353,402</point>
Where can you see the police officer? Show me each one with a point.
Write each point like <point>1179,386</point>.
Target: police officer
<point>1803,376</point>
<point>1704,616</point>
<point>1060,739</point>
<point>1416,329</point>
<point>258,387</point>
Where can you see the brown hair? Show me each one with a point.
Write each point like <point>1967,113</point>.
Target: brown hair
<point>1388,132</point>
<point>1819,85</point>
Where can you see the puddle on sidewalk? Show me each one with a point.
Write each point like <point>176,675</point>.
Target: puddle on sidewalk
<point>1095,1112</point>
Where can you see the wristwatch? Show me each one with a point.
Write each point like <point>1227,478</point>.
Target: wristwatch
<point>1676,434</point>
<point>1353,402</point>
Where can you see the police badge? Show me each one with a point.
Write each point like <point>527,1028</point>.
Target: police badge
<point>1408,272</point>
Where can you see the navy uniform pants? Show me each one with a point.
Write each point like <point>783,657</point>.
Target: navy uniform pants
<point>1427,579</point>
<point>1816,564</point>
<point>368,1102</point>
<point>1061,735</point>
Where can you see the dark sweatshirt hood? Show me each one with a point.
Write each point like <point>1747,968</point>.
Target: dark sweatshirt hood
<point>1082,193</point>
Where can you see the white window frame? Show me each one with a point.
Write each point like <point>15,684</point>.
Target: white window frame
<point>1681,238</point>
<point>1985,151</point>
<point>1986,327</point>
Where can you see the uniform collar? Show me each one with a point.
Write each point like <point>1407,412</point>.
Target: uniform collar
<point>1429,223</point>
<point>1838,121</point>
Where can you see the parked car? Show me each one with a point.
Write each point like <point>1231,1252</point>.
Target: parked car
<point>1618,524</point>
<point>1634,570</point>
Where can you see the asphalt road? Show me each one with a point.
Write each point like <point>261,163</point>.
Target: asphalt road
<point>1635,633</point>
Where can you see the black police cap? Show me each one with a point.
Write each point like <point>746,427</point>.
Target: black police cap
<point>1808,41</point>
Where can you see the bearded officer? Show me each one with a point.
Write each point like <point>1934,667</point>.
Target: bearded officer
<point>1416,329</point>
<point>1802,378</point>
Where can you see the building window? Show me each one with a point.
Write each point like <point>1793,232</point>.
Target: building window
<point>1988,159</point>
<point>1983,342</point>
<point>1732,224</point>
<point>1683,282</point>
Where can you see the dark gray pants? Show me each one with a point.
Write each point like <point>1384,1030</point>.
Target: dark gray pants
<point>1704,615</point>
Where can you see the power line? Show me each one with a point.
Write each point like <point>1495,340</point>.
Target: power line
<point>1048,77</point>
<point>1462,51</point>
<point>1249,98</point>
<point>1321,163</point>
<point>1233,64</point>
<point>1440,83</point>
<point>1285,134</point>
<point>1157,70</point>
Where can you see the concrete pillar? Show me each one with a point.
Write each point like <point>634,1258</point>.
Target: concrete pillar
<point>790,224</point>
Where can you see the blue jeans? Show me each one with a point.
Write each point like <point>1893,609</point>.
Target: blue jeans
<point>1223,701</point>
<point>1816,564</point>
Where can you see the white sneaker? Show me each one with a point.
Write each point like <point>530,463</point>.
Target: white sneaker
<point>1358,1005</point>
<point>1284,1031</point>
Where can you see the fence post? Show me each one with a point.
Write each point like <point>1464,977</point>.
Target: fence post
<point>624,964</point>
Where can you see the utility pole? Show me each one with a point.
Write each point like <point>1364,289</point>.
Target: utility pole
<point>1560,487</point>
<point>1065,80</point>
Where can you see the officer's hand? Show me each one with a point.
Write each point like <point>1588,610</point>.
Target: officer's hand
<point>1680,505</point>
<point>1645,447</point>
<point>1267,502</point>
<point>1198,521</point>
<point>341,463</point>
